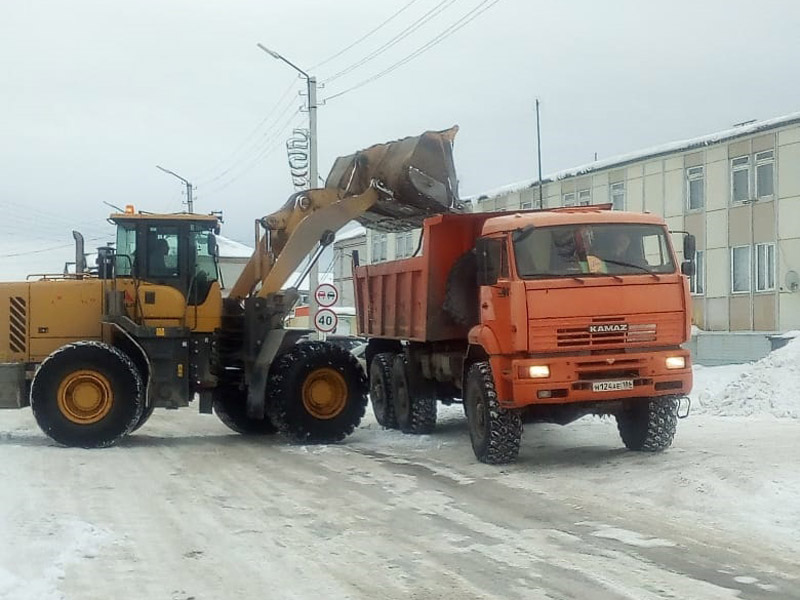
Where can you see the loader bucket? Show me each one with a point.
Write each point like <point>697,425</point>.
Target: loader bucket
<point>419,172</point>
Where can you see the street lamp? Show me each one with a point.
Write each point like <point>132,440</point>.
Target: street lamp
<point>311,82</point>
<point>186,183</point>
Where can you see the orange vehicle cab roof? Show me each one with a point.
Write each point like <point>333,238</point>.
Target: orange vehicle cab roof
<point>570,216</point>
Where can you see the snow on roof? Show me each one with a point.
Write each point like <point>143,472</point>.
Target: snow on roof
<point>352,233</point>
<point>323,278</point>
<point>229,248</point>
<point>652,152</point>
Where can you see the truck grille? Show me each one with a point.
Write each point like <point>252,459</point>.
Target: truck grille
<point>17,324</point>
<point>608,332</point>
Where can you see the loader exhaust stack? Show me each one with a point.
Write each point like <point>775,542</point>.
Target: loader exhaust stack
<point>418,171</point>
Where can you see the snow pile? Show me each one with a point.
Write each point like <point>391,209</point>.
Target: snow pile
<point>768,386</point>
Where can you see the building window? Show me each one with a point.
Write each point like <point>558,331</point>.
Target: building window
<point>527,205</point>
<point>584,197</point>
<point>740,179</point>
<point>569,199</point>
<point>617,195</point>
<point>765,185</point>
<point>404,244</point>
<point>378,247</point>
<point>695,191</point>
<point>740,269</point>
<point>765,267</point>
<point>697,282</point>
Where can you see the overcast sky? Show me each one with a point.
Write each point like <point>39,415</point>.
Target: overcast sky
<point>95,93</point>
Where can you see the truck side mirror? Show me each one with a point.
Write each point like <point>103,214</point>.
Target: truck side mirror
<point>688,268</point>
<point>211,246</point>
<point>489,254</point>
<point>689,247</point>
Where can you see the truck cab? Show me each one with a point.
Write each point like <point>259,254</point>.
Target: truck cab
<point>543,315</point>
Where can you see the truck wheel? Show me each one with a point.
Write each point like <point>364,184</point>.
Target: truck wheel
<point>461,292</point>
<point>415,412</point>
<point>146,414</point>
<point>87,394</point>
<point>230,406</point>
<point>380,389</point>
<point>496,433</point>
<point>649,425</point>
<point>317,393</point>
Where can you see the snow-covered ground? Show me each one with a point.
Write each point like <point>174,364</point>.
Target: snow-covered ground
<point>185,509</point>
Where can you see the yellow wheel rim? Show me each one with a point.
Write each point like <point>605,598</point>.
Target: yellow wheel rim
<point>85,397</point>
<point>324,393</point>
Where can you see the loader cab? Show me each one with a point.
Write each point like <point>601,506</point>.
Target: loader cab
<point>178,251</point>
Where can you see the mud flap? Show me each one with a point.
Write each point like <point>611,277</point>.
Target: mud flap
<point>13,387</point>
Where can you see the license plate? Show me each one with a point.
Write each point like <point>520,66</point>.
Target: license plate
<point>612,386</point>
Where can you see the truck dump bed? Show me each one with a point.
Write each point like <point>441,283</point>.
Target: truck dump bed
<point>402,299</point>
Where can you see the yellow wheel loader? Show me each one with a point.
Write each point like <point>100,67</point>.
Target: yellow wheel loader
<point>95,352</point>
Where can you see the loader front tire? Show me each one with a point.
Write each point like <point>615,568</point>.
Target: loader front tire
<point>380,390</point>
<point>495,432</point>
<point>146,414</point>
<point>230,406</point>
<point>87,394</point>
<point>649,425</point>
<point>317,393</point>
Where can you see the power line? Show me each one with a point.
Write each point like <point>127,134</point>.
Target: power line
<point>462,22</point>
<point>432,13</point>
<point>365,36</point>
<point>266,151</point>
<point>255,145</point>
<point>268,136</point>
<point>41,250</point>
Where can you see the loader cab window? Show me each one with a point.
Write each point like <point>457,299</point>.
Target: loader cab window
<point>162,252</point>
<point>126,250</point>
<point>203,255</point>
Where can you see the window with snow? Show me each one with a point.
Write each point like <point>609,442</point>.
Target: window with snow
<point>765,267</point>
<point>527,205</point>
<point>740,269</point>
<point>765,184</point>
<point>617,195</point>
<point>584,197</point>
<point>697,282</point>
<point>695,188</point>
<point>740,179</point>
<point>569,199</point>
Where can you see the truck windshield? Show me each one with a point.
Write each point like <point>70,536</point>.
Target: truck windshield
<point>586,250</point>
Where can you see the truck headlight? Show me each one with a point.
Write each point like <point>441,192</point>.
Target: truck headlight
<point>538,371</point>
<point>676,362</point>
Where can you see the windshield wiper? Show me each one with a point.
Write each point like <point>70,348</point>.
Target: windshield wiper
<point>631,265</point>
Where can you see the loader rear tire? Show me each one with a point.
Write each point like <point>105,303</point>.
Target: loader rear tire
<point>88,395</point>
<point>317,393</point>
<point>495,432</point>
<point>649,425</point>
<point>380,390</point>
<point>230,406</point>
<point>414,409</point>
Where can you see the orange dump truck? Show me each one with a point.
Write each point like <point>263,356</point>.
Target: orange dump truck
<point>533,316</point>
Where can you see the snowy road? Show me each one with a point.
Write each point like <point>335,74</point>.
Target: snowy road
<point>185,510</point>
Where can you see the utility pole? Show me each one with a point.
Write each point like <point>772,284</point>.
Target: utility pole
<point>539,151</point>
<point>313,175</point>
<point>189,201</point>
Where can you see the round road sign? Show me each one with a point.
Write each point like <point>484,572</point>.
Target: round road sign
<point>326,320</point>
<point>326,295</point>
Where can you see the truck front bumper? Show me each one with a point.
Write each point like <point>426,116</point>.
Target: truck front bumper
<point>593,378</point>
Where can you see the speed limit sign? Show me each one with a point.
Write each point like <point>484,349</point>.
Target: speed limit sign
<point>326,320</point>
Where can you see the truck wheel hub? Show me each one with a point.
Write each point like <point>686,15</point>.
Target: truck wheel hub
<point>85,397</point>
<point>324,393</point>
